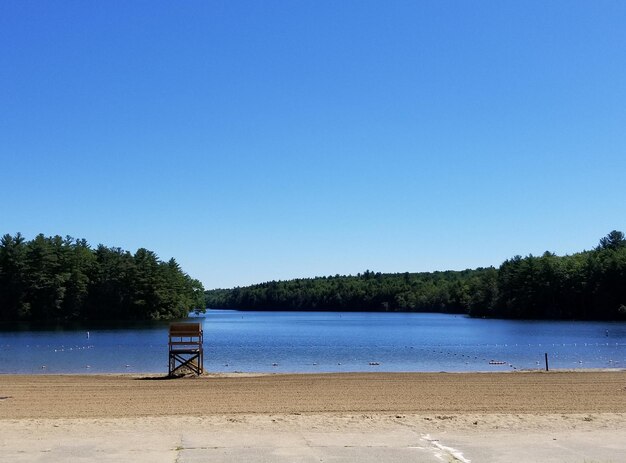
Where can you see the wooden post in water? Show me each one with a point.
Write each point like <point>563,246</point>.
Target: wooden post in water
<point>547,361</point>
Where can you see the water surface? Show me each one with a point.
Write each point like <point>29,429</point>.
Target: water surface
<point>324,342</point>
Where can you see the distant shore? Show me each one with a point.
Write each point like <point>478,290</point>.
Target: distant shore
<point>91,396</point>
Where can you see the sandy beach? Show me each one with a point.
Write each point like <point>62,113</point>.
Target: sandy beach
<point>117,396</point>
<point>491,417</point>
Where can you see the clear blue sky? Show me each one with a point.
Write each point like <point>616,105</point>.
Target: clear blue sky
<point>268,140</point>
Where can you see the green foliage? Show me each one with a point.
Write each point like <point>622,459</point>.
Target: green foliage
<point>60,279</point>
<point>420,292</point>
<point>613,240</point>
<point>586,285</point>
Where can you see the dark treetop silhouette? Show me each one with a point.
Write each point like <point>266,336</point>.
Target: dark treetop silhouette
<point>62,279</point>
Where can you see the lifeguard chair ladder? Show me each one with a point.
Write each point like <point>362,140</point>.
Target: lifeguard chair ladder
<point>185,348</point>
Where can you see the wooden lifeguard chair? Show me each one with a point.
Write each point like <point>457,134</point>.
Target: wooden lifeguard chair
<point>185,348</point>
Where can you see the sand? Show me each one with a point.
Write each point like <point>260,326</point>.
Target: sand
<point>490,417</point>
<point>66,396</point>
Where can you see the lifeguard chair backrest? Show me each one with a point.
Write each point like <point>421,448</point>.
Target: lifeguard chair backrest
<point>185,330</point>
<point>186,333</point>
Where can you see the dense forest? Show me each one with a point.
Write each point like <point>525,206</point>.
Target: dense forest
<point>63,279</point>
<point>589,285</point>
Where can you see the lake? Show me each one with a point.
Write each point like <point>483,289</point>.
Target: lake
<point>323,342</point>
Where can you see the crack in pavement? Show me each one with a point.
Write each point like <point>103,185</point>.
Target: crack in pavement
<point>453,455</point>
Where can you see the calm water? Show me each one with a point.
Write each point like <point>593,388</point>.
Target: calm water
<point>325,342</point>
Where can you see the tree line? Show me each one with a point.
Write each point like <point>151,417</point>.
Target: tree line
<point>55,279</point>
<point>589,285</point>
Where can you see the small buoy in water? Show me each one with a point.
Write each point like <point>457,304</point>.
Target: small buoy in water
<point>274,364</point>
<point>127,366</point>
<point>43,367</point>
<point>87,366</point>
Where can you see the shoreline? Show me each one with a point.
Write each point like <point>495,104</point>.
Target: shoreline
<point>122,374</point>
<point>238,374</point>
